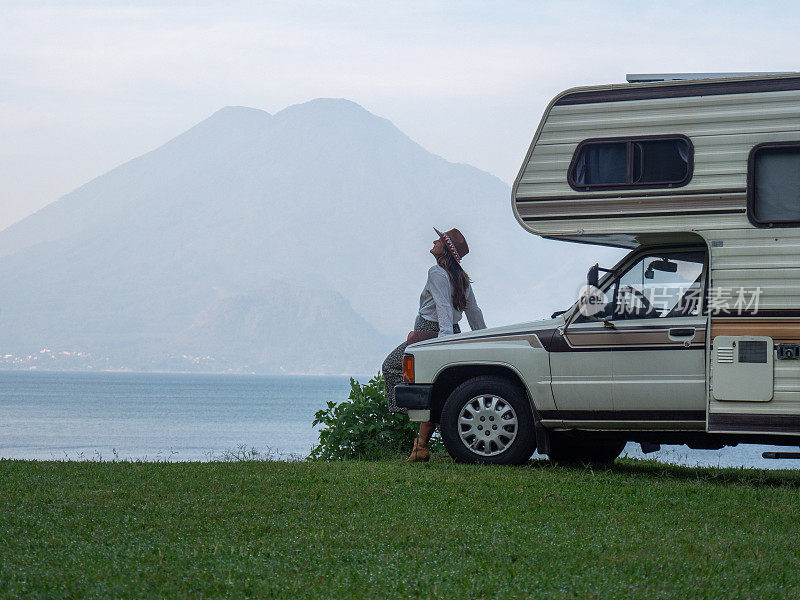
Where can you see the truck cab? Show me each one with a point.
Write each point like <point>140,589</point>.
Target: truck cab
<point>692,338</point>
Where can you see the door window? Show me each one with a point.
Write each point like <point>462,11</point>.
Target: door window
<point>660,285</point>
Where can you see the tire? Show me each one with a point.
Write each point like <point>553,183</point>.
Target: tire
<point>584,447</point>
<point>506,416</point>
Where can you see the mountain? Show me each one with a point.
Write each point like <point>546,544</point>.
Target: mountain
<point>177,252</point>
<point>250,332</point>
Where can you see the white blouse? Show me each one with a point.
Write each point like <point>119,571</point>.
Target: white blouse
<point>435,303</point>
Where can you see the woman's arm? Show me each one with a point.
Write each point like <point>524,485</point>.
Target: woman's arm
<point>473,312</point>
<point>440,290</point>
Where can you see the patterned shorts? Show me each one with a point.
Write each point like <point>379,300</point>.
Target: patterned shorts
<point>393,365</point>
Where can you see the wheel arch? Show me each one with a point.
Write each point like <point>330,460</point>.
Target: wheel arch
<point>449,378</point>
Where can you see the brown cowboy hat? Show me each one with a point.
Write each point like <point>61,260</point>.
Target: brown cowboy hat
<point>455,243</point>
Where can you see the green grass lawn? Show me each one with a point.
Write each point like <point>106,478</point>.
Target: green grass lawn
<point>389,529</point>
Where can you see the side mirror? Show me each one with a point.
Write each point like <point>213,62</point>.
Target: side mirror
<point>593,276</point>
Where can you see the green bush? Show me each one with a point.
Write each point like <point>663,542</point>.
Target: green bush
<point>362,426</point>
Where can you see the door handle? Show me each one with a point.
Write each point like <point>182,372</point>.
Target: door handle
<point>682,332</point>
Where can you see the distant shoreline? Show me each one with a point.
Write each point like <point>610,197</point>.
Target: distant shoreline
<point>212,373</point>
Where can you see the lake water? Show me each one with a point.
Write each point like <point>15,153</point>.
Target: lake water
<point>158,416</point>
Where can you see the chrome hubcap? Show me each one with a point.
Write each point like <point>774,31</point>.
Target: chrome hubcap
<point>487,425</point>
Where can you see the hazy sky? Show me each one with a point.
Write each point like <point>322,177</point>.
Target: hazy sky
<point>85,86</point>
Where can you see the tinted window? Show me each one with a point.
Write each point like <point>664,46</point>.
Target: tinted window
<point>661,161</point>
<point>602,163</point>
<point>631,163</point>
<point>774,184</point>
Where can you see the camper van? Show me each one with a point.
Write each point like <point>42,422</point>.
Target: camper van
<point>694,337</point>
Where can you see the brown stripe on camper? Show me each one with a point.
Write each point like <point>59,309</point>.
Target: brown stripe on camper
<point>765,313</point>
<point>681,90</point>
<point>780,330</point>
<point>660,205</point>
<point>638,194</point>
<point>637,214</point>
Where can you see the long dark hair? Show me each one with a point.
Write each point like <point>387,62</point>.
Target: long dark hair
<point>459,280</point>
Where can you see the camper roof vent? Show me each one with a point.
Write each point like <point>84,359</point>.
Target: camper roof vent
<point>651,77</point>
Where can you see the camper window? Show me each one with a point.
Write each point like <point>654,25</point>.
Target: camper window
<point>773,184</point>
<point>642,162</point>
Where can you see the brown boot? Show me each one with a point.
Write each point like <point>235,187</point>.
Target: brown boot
<point>420,453</point>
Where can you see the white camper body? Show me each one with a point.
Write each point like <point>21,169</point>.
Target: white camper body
<point>701,180</point>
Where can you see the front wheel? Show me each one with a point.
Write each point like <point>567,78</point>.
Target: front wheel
<point>488,420</point>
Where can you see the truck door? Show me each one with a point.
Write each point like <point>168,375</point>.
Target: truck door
<point>658,359</point>
<point>644,361</point>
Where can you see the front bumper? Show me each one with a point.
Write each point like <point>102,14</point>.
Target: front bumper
<point>413,396</point>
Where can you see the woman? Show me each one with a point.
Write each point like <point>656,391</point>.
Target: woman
<point>446,295</point>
